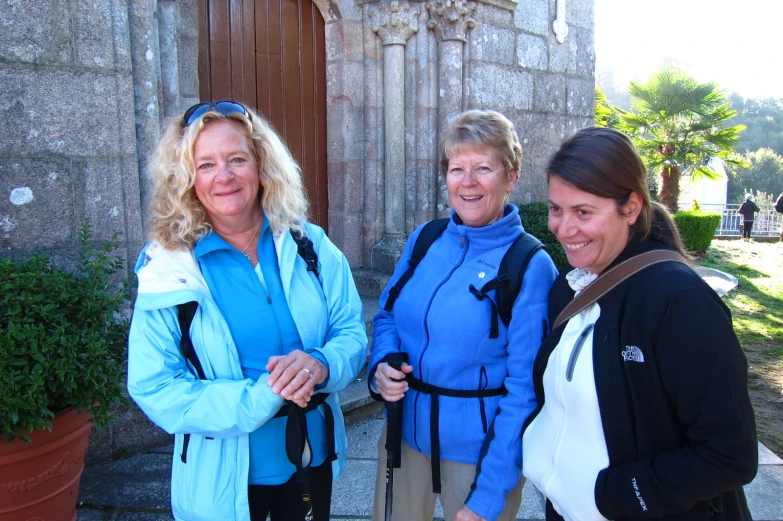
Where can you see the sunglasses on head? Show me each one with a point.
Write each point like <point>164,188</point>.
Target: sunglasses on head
<point>224,107</point>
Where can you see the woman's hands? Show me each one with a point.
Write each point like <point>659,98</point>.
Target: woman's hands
<point>390,382</point>
<point>466,514</point>
<point>295,375</point>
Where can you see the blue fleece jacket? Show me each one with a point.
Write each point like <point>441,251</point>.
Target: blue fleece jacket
<point>445,331</point>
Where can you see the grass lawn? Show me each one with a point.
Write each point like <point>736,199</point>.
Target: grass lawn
<point>757,309</point>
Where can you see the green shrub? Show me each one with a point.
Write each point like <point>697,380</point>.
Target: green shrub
<point>62,339</point>
<point>534,218</point>
<point>697,229</point>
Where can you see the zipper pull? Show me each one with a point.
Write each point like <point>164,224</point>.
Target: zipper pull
<point>462,242</point>
<point>268,298</point>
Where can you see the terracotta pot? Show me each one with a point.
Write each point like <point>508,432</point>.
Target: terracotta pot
<point>39,481</point>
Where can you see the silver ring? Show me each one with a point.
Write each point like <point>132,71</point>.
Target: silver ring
<point>309,374</point>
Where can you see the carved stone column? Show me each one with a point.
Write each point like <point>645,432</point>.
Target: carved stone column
<point>450,19</point>
<point>394,23</point>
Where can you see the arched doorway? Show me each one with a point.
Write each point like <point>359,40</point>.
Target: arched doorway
<point>270,54</point>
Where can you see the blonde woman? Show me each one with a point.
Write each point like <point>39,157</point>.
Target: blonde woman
<point>270,332</point>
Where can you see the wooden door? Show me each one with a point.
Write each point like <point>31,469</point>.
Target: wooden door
<point>270,55</point>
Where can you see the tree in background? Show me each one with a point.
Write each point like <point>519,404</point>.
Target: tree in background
<point>763,173</point>
<point>606,115</point>
<point>678,124</point>
<point>764,121</point>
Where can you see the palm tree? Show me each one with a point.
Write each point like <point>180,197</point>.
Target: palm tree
<point>678,124</point>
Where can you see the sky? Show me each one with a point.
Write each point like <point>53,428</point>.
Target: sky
<point>737,44</point>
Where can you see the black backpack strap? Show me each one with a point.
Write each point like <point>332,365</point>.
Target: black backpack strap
<point>297,444</point>
<point>513,265</point>
<point>508,282</point>
<point>185,314</point>
<point>431,231</point>
<point>434,392</point>
<point>305,249</point>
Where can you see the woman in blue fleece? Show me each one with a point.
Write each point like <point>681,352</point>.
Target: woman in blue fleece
<point>445,331</point>
<point>270,335</point>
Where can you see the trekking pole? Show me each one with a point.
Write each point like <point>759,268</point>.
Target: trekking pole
<point>393,434</point>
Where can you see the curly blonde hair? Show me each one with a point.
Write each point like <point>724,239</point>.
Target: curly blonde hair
<point>178,219</point>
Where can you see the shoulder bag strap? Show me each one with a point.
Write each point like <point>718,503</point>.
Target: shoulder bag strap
<point>610,279</point>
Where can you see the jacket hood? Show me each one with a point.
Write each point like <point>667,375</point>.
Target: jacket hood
<point>162,271</point>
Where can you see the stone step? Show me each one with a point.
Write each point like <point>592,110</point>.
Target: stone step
<point>370,283</point>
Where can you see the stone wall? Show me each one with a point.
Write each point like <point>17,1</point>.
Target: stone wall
<point>506,58</point>
<point>81,92</point>
<point>86,85</point>
<point>68,145</point>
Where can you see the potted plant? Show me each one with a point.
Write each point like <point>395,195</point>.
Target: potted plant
<point>62,349</point>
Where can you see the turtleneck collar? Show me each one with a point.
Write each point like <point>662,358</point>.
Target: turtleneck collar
<point>502,231</point>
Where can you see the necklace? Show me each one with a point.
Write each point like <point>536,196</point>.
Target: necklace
<point>251,241</point>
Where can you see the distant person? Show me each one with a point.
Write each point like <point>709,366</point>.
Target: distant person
<point>779,209</point>
<point>644,411</point>
<point>272,336</point>
<point>467,388</point>
<point>748,209</point>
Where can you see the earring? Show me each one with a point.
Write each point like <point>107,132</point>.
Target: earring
<point>630,223</point>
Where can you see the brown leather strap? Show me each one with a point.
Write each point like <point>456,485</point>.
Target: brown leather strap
<point>610,279</point>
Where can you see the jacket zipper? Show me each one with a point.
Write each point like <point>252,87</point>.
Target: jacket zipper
<point>575,352</point>
<point>714,511</point>
<point>464,244</point>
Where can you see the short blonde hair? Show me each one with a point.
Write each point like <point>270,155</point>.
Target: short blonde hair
<point>482,128</point>
<point>178,219</point>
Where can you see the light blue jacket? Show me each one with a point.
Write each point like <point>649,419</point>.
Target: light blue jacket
<point>445,331</point>
<point>226,407</point>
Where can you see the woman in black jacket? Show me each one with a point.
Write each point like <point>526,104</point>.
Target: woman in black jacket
<point>644,408</point>
<point>748,209</point>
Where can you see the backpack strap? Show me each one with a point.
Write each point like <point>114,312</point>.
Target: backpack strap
<point>513,265</point>
<point>305,249</point>
<point>434,392</point>
<point>431,231</point>
<point>185,314</point>
<point>508,282</point>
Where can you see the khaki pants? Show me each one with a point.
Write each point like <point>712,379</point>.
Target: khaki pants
<point>413,496</point>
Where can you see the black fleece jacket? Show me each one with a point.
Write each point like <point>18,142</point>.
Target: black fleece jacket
<point>679,426</point>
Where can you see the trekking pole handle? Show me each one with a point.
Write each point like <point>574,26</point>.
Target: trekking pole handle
<point>394,414</point>
<point>395,361</point>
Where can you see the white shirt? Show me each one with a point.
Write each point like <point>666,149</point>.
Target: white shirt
<point>564,447</point>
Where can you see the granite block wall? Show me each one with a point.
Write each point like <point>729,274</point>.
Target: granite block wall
<point>85,86</point>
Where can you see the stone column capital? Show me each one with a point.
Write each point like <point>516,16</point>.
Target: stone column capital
<point>395,23</point>
<point>451,19</point>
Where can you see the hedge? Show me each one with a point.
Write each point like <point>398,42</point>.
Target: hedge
<point>534,219</point>
<point>697,229</point>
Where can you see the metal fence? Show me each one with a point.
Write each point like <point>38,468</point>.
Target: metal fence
<point>768,222</point>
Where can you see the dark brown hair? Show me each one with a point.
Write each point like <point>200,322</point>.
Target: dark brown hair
<point>604,162</point>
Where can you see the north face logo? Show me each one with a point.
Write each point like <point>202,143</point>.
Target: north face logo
<point>633,354</point>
